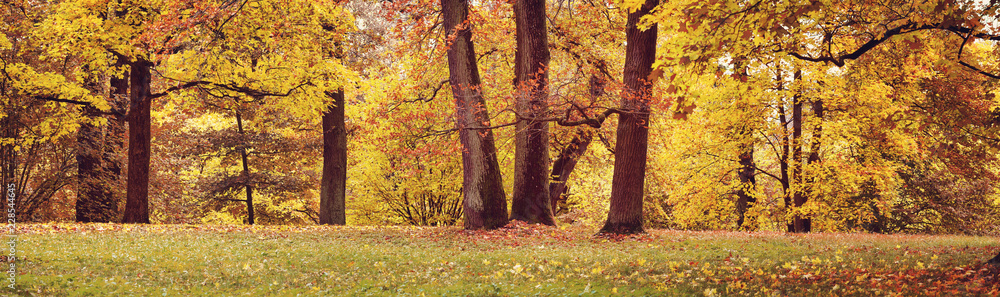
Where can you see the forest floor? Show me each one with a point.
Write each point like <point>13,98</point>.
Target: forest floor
<point>218,260</point>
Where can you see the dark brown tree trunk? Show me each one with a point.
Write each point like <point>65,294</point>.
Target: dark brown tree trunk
<point>98,159</point>
<point>564,165</point>
<point>995,261</point>
<point>799,223</point>
<point>531,202</point>
<point>333,186</point>
<point>247,182</point>
<point>817,131</point>
<point>785,148</point>
<point>625,215</point>
<point>748,182</point>
<point>8,156</point>
<point>137,189</point>
<point>484,204</point>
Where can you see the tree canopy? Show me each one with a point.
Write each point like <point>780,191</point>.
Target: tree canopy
<point>873,116</point>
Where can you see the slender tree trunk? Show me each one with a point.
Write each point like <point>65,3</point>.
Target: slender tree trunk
<point>98,159</point>
<point>785,148</point>
<point>565,163</point>
<point>799,223</point>
<point>817,137</point>
<point>333,187</point>
<point>137,189</point>
<point>247,182</point>
<point>566,160</point>
<point>625,215</point>
<point>531,201</point>
<point>748,182</point>
<point>817,131</point>
<point>485,204</point>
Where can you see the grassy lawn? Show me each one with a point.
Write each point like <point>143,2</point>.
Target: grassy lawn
<point>184,260</point>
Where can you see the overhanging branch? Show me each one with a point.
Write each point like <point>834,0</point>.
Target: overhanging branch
<point>864,48</point>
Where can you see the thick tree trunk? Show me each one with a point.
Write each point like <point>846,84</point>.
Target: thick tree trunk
<point>247,182</point>
<point>484,204</point>
<point>137,189</point>
<point>531,201</point>
<point>98,157</point>
<point>333,186</point>
<point>748,182</point>
<point>564,165</point>
<point>625,215</point>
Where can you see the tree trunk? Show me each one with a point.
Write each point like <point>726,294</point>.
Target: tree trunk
<point>484,204</point>
<point>570,155</point>
<point>98,160</point>
<point>748,182</point>
<point>565,163</point>
<point>995,262</point>
<point>817,137</point>
<point>247,182</point>
<point>333,186</point>
<point>799,223</point>
<point>817,131</point>
<point>8,156</point>
<point>531,202</point>
<point>137,189</point>
<point>625,215</point>
<point>785,148</point>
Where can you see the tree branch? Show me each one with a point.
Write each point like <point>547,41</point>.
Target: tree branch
<point>56,99</point>
<point>176,88</point>
<point>864,48</point>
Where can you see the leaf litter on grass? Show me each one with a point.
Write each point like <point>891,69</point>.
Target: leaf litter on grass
<point>520,259</point>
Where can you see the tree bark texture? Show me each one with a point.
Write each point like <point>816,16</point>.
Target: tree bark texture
<point>625,215</point>
<point>484,201</point>
<point>333,186</point>
<point>98,158</point>
<point>531,201</point>
<point>137,188</point>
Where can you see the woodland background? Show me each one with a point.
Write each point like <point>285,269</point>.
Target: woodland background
<point>873,116</point>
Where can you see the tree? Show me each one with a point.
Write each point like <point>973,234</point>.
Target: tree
<point>531,201</point>
<point>333,186</point>
<point>100,40</point>
<point>137,188</point>
<point>40,108</point>
<point>484,205</point>
<point>625,215</point>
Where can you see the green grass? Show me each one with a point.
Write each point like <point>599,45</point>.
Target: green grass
<point>181,260</point>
